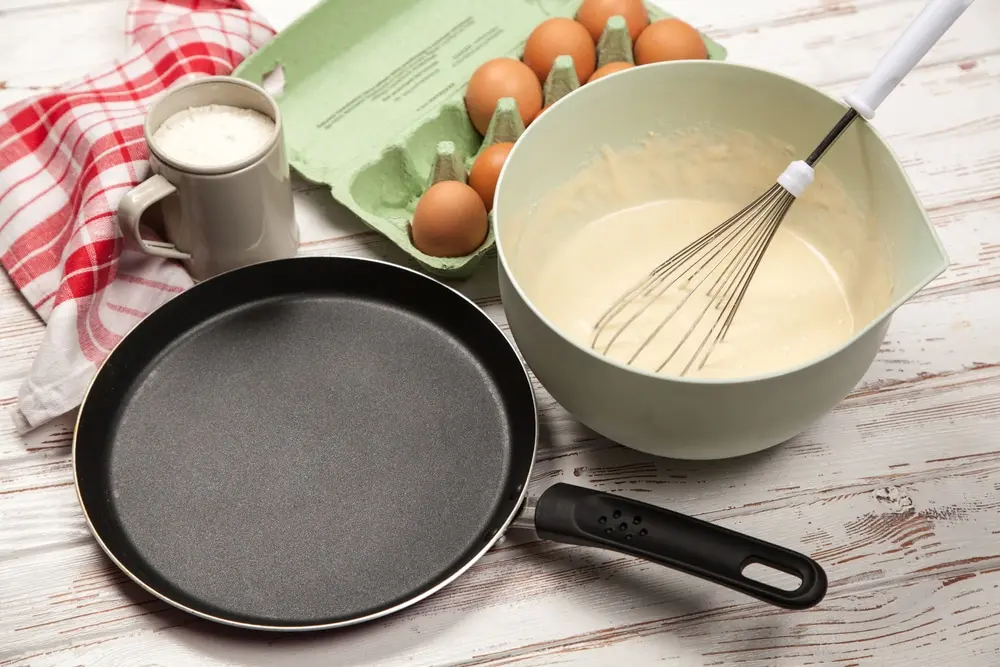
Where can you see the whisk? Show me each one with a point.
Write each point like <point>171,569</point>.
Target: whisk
<point>723,261</point>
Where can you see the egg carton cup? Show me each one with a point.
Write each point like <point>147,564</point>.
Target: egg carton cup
<point>615,44</point>
<point>371,95</point>
<point>448,164</point>
<point>505,127</point>
<point>561,81</point>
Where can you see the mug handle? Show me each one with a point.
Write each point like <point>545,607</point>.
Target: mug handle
<point>134,204</point>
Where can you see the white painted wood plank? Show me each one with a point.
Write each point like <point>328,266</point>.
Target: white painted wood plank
<point>920,621</point>
<point>9,7</point>
<point>824,41</point>
<point>772,35</point>
<point>53,44</point>
<point>945,147</point>
<point>281,13</point>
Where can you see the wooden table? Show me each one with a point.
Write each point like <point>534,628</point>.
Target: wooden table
<point>896,492</point>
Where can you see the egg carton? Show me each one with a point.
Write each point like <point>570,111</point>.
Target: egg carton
<point>371,94</point>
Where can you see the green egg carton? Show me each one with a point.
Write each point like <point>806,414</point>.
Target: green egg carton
<point>372,89</point>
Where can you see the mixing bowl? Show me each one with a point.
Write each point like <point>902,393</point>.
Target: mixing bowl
<point>682,417</point>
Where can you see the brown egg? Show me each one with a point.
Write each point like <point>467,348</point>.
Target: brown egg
<point>498,78</point>
<point>610,68</point>
<point>594,15</point>
<point>486,170</point>
<point>557,37</point>
<point>449,221</point>
<point>669,39</point>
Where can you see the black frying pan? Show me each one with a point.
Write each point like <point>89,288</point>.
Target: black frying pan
<point>315,442</point>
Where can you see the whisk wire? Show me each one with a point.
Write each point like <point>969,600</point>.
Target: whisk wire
<point>737,288</point>
<point>737,246</point>
<point>751,239</point>
<point>664,268</point>
<point>768,200</point>
<point>659,277</point>
<point>759,255</point>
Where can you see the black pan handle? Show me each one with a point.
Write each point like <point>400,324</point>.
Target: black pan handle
<point>575,515</point>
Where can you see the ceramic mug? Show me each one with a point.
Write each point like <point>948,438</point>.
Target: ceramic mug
<point>216,218</point>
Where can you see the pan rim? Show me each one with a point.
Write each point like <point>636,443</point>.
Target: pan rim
<point>458,572</point>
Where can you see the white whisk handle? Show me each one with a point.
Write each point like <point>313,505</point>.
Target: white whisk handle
<point>796,178</point>
<point>925,30</point>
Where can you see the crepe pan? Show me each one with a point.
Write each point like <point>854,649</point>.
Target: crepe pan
<point>316,442</point>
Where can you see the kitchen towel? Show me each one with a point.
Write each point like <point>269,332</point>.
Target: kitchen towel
<point>66,159</point>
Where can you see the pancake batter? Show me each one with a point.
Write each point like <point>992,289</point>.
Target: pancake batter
<point>794,310</point>
<point>824,276</point>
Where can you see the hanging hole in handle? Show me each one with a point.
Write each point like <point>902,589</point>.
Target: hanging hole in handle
<point>273,81</point>
<point>763,573</point>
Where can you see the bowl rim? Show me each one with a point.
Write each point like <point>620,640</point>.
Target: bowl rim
<point>677,65</point>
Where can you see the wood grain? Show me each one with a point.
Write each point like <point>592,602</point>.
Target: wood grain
<point>46,44</point>
<point>895,491</point>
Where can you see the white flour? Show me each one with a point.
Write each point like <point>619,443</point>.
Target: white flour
<point>215,135</point>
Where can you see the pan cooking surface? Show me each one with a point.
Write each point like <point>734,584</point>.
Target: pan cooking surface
<point>306,459</point>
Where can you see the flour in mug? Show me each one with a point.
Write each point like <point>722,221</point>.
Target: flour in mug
<point>214,135</point>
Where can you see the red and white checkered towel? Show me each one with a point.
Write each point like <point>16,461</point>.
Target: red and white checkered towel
<point>66,159</point>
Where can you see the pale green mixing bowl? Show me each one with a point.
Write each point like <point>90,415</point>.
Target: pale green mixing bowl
<point>695,418</point>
